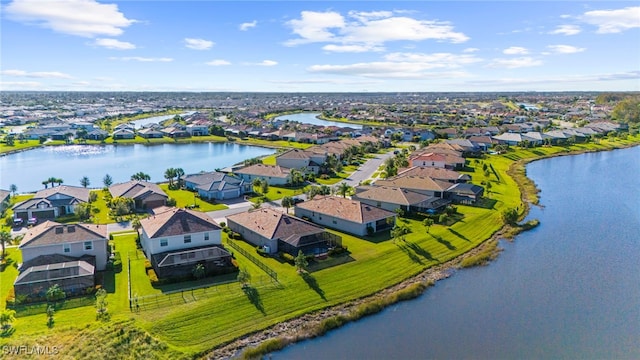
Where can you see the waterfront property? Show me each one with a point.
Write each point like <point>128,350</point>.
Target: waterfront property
<point>273,174</point>
<point>67,255</point>
<point>175,240</point>
<point>216,185</point>
<point>146,195</point>
<point>275,231</point>
<point>393,198</point>
<point>51,203</point>
<point>303,160</point>
<point>346,215</point>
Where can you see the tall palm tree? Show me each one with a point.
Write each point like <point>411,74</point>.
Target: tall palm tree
<point>13,188</point>
<point>45,183</point>
<point>5,237</point>
<point>140,176</point>
<point>179,175</point>
<point>343,189</point>
<point>85,182</point>
<point>52,180</point>
<point>59,181</point>
<point>169,174</point>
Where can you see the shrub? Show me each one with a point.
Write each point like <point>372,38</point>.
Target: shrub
<point>324,177</point>
<point>287,258</point>
<point>152,276</point>
<point>171,202</point>
<point>236,236</point>
<point>147,264</point>
<point>223,224</point>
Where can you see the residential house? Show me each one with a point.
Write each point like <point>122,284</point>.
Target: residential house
<point>273,174</point>
<point>5,197</point>
<point>512,138</point>
<point>146,195</point>
<point>217,185</point>
<point>176,131</point>
<point>276,231</point>
<point>97,134</point>
<point>465,193</point>
<point>305,161</point>
<point>197,129</point>
<point>420,184</point>
<point>428,160</point>
<point>150,133</point>
<point>346,215</point>
<point>447,175</point>
<point>392,198</point>
<point>67,255</point>
<point>123,133</point>
<point>51,203</point>
<point>175,240</point>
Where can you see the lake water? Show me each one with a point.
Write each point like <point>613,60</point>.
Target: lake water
<point>569,289</point>
<point>71,162</point>
<point>312,118</point>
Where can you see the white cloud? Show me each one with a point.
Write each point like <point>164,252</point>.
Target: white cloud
<point>371,29</point>
<point>566,30</point>
<point>218,62</point>
<point>248,25</point>
<point>470,50</point>
<point>403,66</point>
<point>352,48</point>
<point>267,63</point>
<point>198,44</point>
<point>515,50</point>
<point>314,27</point>
<point>114,44</point>
<point>613,21</point>
<point>141,59</point>
<point>87,18</point>
<point>565,49</point>
<point>20,84</point>
<point>36,74</point>
<point>514,63</point>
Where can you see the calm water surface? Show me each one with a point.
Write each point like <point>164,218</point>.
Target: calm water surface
<point>312,118</point>
<point>569,289</point>
<point>29,168</point>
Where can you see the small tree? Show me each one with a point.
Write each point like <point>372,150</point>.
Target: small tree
<point>264,187</point>
<point>244,277</point>
<point>136,225</point>
<point>257,183</point>
<point>13,188</point>
<point>199,271</point>
<point>510,216</point>
<point>7,316</point>
<point>50,312</point>
<point>427,223</point>
<point>83,210</point>
<point>5,238</point>
<point>101,303</point>
<point>301,262</point>
<point>55,293</point>
<point>287,202</point>
<point>107,180</point>
<point>85,182</point>
<point>343,189</point>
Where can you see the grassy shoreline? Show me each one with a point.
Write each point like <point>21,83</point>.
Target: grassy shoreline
<point>292,310</point>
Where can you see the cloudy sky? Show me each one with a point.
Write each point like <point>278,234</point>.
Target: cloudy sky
<point>300,46</point>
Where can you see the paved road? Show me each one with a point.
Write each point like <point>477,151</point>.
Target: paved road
<point>367,169</point>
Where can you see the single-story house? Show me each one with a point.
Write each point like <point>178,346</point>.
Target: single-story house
<point>217,185</point>
<point>150,133</point>
<point>346,215</point>
<point>276,231</point>
<point>146,195</point>
<point>420,184</point>
<point>447,175</point>
<point>392,198</point>
<point>67,255</point>
<point>175,240</point>
<point>51,203</point>
<point>274,174</point>
<point>124,133</point>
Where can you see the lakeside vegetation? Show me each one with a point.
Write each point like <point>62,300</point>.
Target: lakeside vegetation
<point>184,329</point>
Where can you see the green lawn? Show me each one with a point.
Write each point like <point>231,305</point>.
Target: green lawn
<point>8,273</point>
<point>278,192</point>
<point>186,198</point>
<point>223,312</point>
<point>19,146</point>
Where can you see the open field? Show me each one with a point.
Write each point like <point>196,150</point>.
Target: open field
<point>224,312</point>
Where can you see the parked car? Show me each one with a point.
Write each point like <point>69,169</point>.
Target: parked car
<point>32,221</point>
<point>297,200</point>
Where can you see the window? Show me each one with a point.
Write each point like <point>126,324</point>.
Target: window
<point>88,246</point>
<point>335,222</point>
<point>66,248</point>
<point>206,236</point>
<point>187,239</point>
<point>164,242</point>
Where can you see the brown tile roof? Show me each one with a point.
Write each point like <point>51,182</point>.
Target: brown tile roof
<point>175,221</point>
<point>415,182</point>
<point>71,191</point>
<point>273,224</point>
<point>265,170</point>
<point>392,195</point>
<point>135,189</point>
<point>295,154</point>
<point>51,232</point>
<point>351,210</point>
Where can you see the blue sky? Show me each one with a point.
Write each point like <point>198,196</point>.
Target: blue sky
<point>318,46</point>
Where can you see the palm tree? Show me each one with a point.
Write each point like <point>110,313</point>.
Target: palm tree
<point>257,183</point>
<point>179,175</point>
<point>52,180</point>
<point>13,188</point>
<point>85,182</point>
<point>59,181</point>
<point>169,174</point>
<point>427,223</point>
<point>140,176</point>
<point>5,237</point>
<point>343,189</point>
<point>287,202</point>
<point>45,183</point>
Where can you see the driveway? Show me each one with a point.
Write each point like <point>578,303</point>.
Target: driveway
<point>367,169</point>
